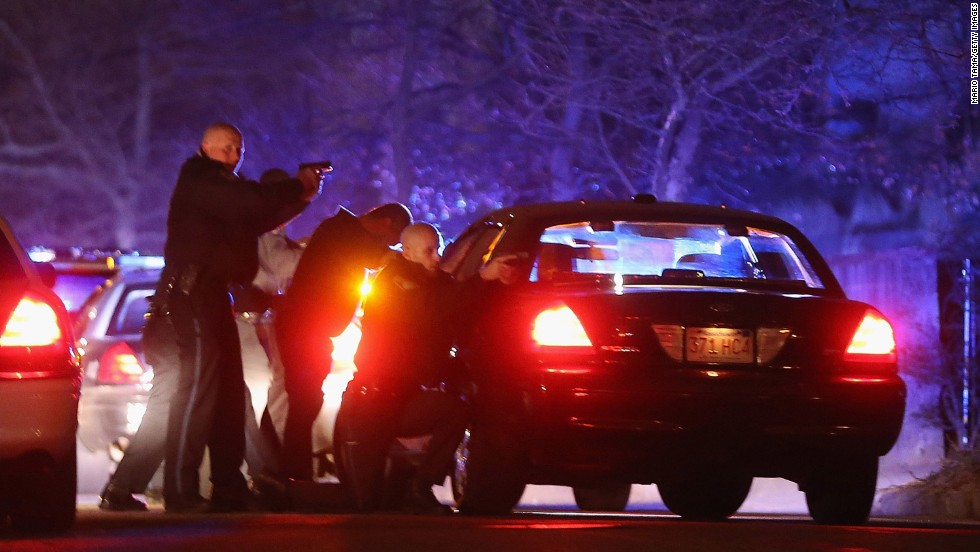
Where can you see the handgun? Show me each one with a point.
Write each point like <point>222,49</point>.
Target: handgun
<point>319,166</point>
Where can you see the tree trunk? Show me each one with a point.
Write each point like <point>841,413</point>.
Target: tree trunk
<point>401,112</point>
<point>563,153</point>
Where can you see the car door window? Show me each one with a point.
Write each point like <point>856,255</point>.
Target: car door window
<point>472,250</point>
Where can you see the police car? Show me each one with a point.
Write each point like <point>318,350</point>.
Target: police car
<point>691,346</point>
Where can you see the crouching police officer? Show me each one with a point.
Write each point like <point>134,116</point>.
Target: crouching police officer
<point>398,391</point>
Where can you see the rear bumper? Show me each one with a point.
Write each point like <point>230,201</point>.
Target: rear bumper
<point>38,416</point>
<point>641,432</point>
<point>108,412</point>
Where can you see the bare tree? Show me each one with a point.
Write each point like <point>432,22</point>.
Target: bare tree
<point>629,88</point>
<point>401,83</point>
<point>75,124</point>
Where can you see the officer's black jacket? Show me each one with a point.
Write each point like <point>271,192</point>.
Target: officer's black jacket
<point>407,328</point>
<point>216,217</point>
<point>325,290</point>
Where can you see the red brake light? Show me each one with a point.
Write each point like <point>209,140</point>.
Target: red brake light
<point>873,341</point>
<point>559,327</point>
<point>34,323</point>
<point>119,365</point>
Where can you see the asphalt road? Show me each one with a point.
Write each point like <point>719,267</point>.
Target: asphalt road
<point>526,531</point>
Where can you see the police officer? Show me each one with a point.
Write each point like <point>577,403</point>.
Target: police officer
<point>402,366</point>
<point>145,452</point>
<point>319,304</point>
<point>214,220</point>
<point>406,385</point>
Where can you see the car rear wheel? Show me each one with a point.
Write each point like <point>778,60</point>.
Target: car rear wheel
<point>706,494</point>
<point>843,493</point>
<point>46,502</point>
<point>609,497</point>
<point>488,473</point>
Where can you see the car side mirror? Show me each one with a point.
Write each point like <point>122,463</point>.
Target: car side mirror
<point>47,273</point>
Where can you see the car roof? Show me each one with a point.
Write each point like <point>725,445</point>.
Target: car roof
<point>139,276</point>
<point>549,213</point>
<point>94,260</point>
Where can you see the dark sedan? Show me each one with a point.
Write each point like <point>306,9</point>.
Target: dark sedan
<point>693,347</point>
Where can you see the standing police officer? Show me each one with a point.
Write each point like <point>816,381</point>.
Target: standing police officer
<point>214,222</point>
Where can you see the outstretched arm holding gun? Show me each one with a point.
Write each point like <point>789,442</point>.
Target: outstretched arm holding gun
<point>311,175</point>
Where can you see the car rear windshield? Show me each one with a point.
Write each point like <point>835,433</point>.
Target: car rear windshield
<point>671,253</point>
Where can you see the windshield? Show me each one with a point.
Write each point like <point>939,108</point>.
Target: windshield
<point>670,253</point>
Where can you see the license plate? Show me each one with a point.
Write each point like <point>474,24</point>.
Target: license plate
<point>719,346</point>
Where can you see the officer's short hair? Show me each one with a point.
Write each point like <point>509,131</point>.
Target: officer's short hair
<point>398,214</point>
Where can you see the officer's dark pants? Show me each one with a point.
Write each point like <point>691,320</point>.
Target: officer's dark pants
<point>370,420</point>
<point>208,409</point>
<point>442,415</point>
<point>306,362</point>
<point>147,448</point>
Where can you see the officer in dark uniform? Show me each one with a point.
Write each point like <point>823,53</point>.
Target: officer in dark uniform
<point>406,385</point>
<point>319,304</point>
<point>402,368</point>
<point>214,222</point>
<point>146,449</point>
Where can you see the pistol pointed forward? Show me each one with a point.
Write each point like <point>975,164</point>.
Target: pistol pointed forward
<point>321,167</point>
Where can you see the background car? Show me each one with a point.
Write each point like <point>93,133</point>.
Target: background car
<point>117,380</point>
<point>694,347</point>
<point>39,383</point>
<point>80,270</point>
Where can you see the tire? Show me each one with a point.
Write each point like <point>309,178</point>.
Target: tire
<point>609,497</point>
<point>488,474</point>
<point>705,495</point>
<point>843,493</point>
<point>46,502</point>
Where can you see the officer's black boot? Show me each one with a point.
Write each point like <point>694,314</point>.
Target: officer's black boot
<point>115,499</point>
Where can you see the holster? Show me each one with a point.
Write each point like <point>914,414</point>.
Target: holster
<point>173,280</point>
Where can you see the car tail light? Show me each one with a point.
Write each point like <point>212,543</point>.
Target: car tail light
<point>559,327</point>
<point>34,323</point>
<point>873,341</point>
<point>119,365</point>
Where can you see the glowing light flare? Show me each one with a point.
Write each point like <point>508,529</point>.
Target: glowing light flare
<point>559,327</point>
<point>34,323</point>
<point>874,339</point>
<point>119,365</point>
<point>365,288</point>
